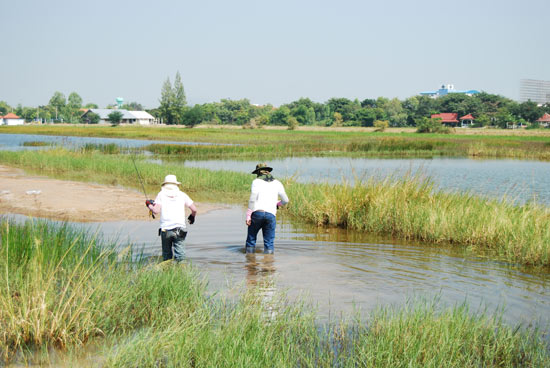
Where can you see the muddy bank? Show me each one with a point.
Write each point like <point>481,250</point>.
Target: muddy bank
<point>39,196</point>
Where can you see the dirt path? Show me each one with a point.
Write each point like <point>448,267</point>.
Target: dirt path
<point>39,196</point>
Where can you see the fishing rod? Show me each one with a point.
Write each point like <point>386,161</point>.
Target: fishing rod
<point>142,186</point>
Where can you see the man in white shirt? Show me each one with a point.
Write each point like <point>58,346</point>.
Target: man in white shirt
<point>262,208</point>
<point>171,203</point>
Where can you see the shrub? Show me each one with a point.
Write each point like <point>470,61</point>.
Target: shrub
<point>380,125</point>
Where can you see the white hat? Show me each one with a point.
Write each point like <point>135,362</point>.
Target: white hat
<point>170,179</point>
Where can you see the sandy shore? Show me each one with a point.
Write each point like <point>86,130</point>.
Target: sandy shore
<point>39,196</point>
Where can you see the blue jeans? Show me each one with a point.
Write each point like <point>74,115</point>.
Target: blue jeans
<point>171,239</point>
<point>266,222</point>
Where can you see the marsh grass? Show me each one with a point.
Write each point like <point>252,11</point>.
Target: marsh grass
<point>64,289</point>
<point>109,148</point>
<point>37,144</point>
<point>409,208</point>
<point>280,143</point>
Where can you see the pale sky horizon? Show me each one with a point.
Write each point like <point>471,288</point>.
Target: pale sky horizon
<point>268,52</point>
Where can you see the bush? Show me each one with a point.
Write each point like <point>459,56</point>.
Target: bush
<point>425,125</point>
<point>380,125</point>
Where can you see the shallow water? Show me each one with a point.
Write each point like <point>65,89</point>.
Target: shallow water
<point>339,271</point>
<point>517,180</point>
<point>14,142</point>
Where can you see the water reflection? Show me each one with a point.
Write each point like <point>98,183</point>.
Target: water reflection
<point>14,142</point>
<point>260,280</point>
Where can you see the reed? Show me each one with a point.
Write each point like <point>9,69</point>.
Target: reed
<point>36,144</point>
<point>419,334</point>
<point>409,208</point>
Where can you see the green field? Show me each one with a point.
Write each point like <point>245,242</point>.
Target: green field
<point>282,143</point>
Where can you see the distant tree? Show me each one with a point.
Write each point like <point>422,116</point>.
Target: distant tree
<point>345,107</point>
<point>115,117</point>
<point>4,108</point>
<point>482,120</point>
<point>368,102</point>
<point>192,116</point>
<point>427,125</point>
<point>503,117</point>
<point>280,116</point>
<point>529,111</point>
<point>90,118</point>
<point>179,101</point>
<point>58,100</point>
<point>366,116</point>
<point>91,106</point>
<point>133,106</point>
<point>166,107</point>
<point>74,101</point>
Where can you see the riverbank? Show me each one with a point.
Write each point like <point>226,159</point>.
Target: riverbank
<point>407,208</point>
<point>74,201</point>
<point>66,290</point>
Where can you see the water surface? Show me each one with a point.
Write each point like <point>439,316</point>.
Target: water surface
<point>517,180</point>
<point>340,270</point>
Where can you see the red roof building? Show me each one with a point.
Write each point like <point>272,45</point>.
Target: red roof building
<point>447,117</point>
<point>11,115</point>
<point>545,118</point>
<point>467,117</point>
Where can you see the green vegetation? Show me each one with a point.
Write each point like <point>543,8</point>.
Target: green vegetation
<point>487,109</point>
<point>115,117</point>
<point>408,208</point>
<point>36,144</point>
<point>283,143</point>
<point>64,289</point>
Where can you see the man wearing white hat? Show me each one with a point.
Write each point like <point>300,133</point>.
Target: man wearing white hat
<point>171,203</point>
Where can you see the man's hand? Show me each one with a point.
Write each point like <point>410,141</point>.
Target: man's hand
<point>149,202</point>
<point>248,222</point>
<point>191,219</point>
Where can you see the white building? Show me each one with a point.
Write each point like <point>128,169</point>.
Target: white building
<point>128,117</point>
<point>143,117</point>
<point>11,119</point>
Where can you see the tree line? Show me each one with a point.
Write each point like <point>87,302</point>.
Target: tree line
<point>488,109</point>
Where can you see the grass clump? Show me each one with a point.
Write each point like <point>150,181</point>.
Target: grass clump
<point>37,144</point>
<point>421,335</point>
<point>409,208</point>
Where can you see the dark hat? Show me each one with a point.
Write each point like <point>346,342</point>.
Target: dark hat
<point>260,167</point>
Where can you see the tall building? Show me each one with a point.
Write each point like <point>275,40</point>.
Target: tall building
<point>535,90</point>
<point>445,90</point>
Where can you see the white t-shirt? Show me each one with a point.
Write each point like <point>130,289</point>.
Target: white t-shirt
<point>265,195</point>
<point>172,211</point>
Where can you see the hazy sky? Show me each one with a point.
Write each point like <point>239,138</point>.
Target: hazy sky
<point>268,51</point>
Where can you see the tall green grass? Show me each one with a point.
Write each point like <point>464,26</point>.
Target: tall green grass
<point>64,289</point>
<point>408,208</point>
<point>280,143</point>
